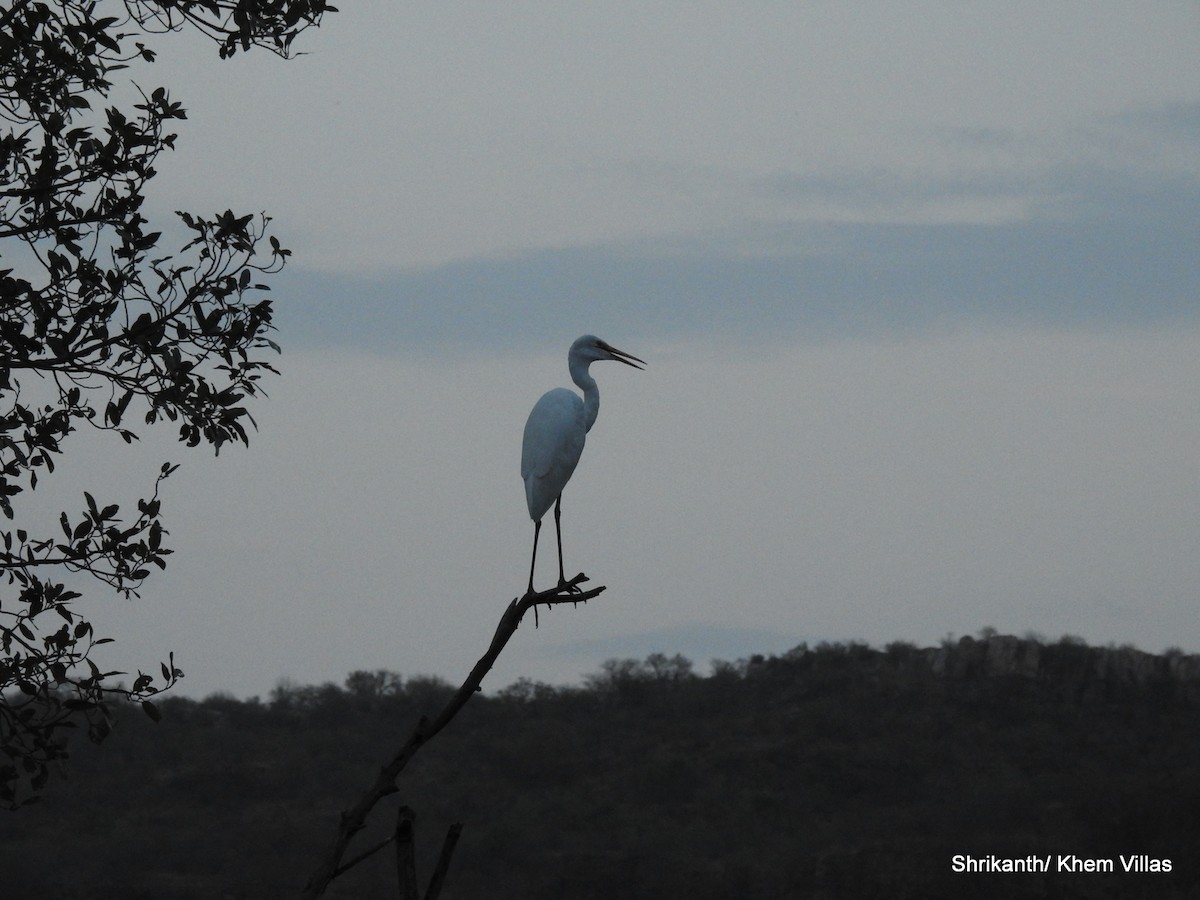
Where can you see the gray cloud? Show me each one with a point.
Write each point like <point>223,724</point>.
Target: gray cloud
<point>1103,250</point>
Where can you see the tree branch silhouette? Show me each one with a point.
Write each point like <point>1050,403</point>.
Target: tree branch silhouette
<point>353,820</point>
<point>443,864</point>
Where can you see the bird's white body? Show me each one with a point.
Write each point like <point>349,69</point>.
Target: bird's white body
<point>554,438</point>
<point>555,434</point>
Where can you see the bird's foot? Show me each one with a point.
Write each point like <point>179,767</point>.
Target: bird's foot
<point>571,587</point>
<point>530,592</point>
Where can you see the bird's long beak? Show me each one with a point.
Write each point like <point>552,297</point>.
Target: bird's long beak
<point>621,356</point>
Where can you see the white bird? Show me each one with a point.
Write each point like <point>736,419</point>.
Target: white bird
<point>554,436</point>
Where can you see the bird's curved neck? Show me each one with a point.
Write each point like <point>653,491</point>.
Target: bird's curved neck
<point>591,393</point>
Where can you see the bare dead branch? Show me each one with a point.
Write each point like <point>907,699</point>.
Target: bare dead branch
<point>443,864</point>
<point>406,854</point>
<point>353,820</point>
<point>366,854</point>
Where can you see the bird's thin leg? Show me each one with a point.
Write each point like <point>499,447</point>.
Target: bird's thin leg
<point>562,577</point>
<point>537,526</point>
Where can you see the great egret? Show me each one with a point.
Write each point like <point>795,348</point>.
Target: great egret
<point>554,436</point>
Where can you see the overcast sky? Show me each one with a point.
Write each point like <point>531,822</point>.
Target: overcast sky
<point>917,285</point>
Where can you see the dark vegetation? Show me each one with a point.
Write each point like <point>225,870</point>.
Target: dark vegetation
<point>833,771</point>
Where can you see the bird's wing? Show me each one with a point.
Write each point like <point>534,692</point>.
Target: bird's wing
<point>554,438</point>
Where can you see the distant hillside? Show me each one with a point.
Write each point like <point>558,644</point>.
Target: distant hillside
<point>834,771</point>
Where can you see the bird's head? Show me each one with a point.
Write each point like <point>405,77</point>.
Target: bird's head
<point>589,349</point>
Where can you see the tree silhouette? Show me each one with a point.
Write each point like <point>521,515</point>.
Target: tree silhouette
<point>97,321</point>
